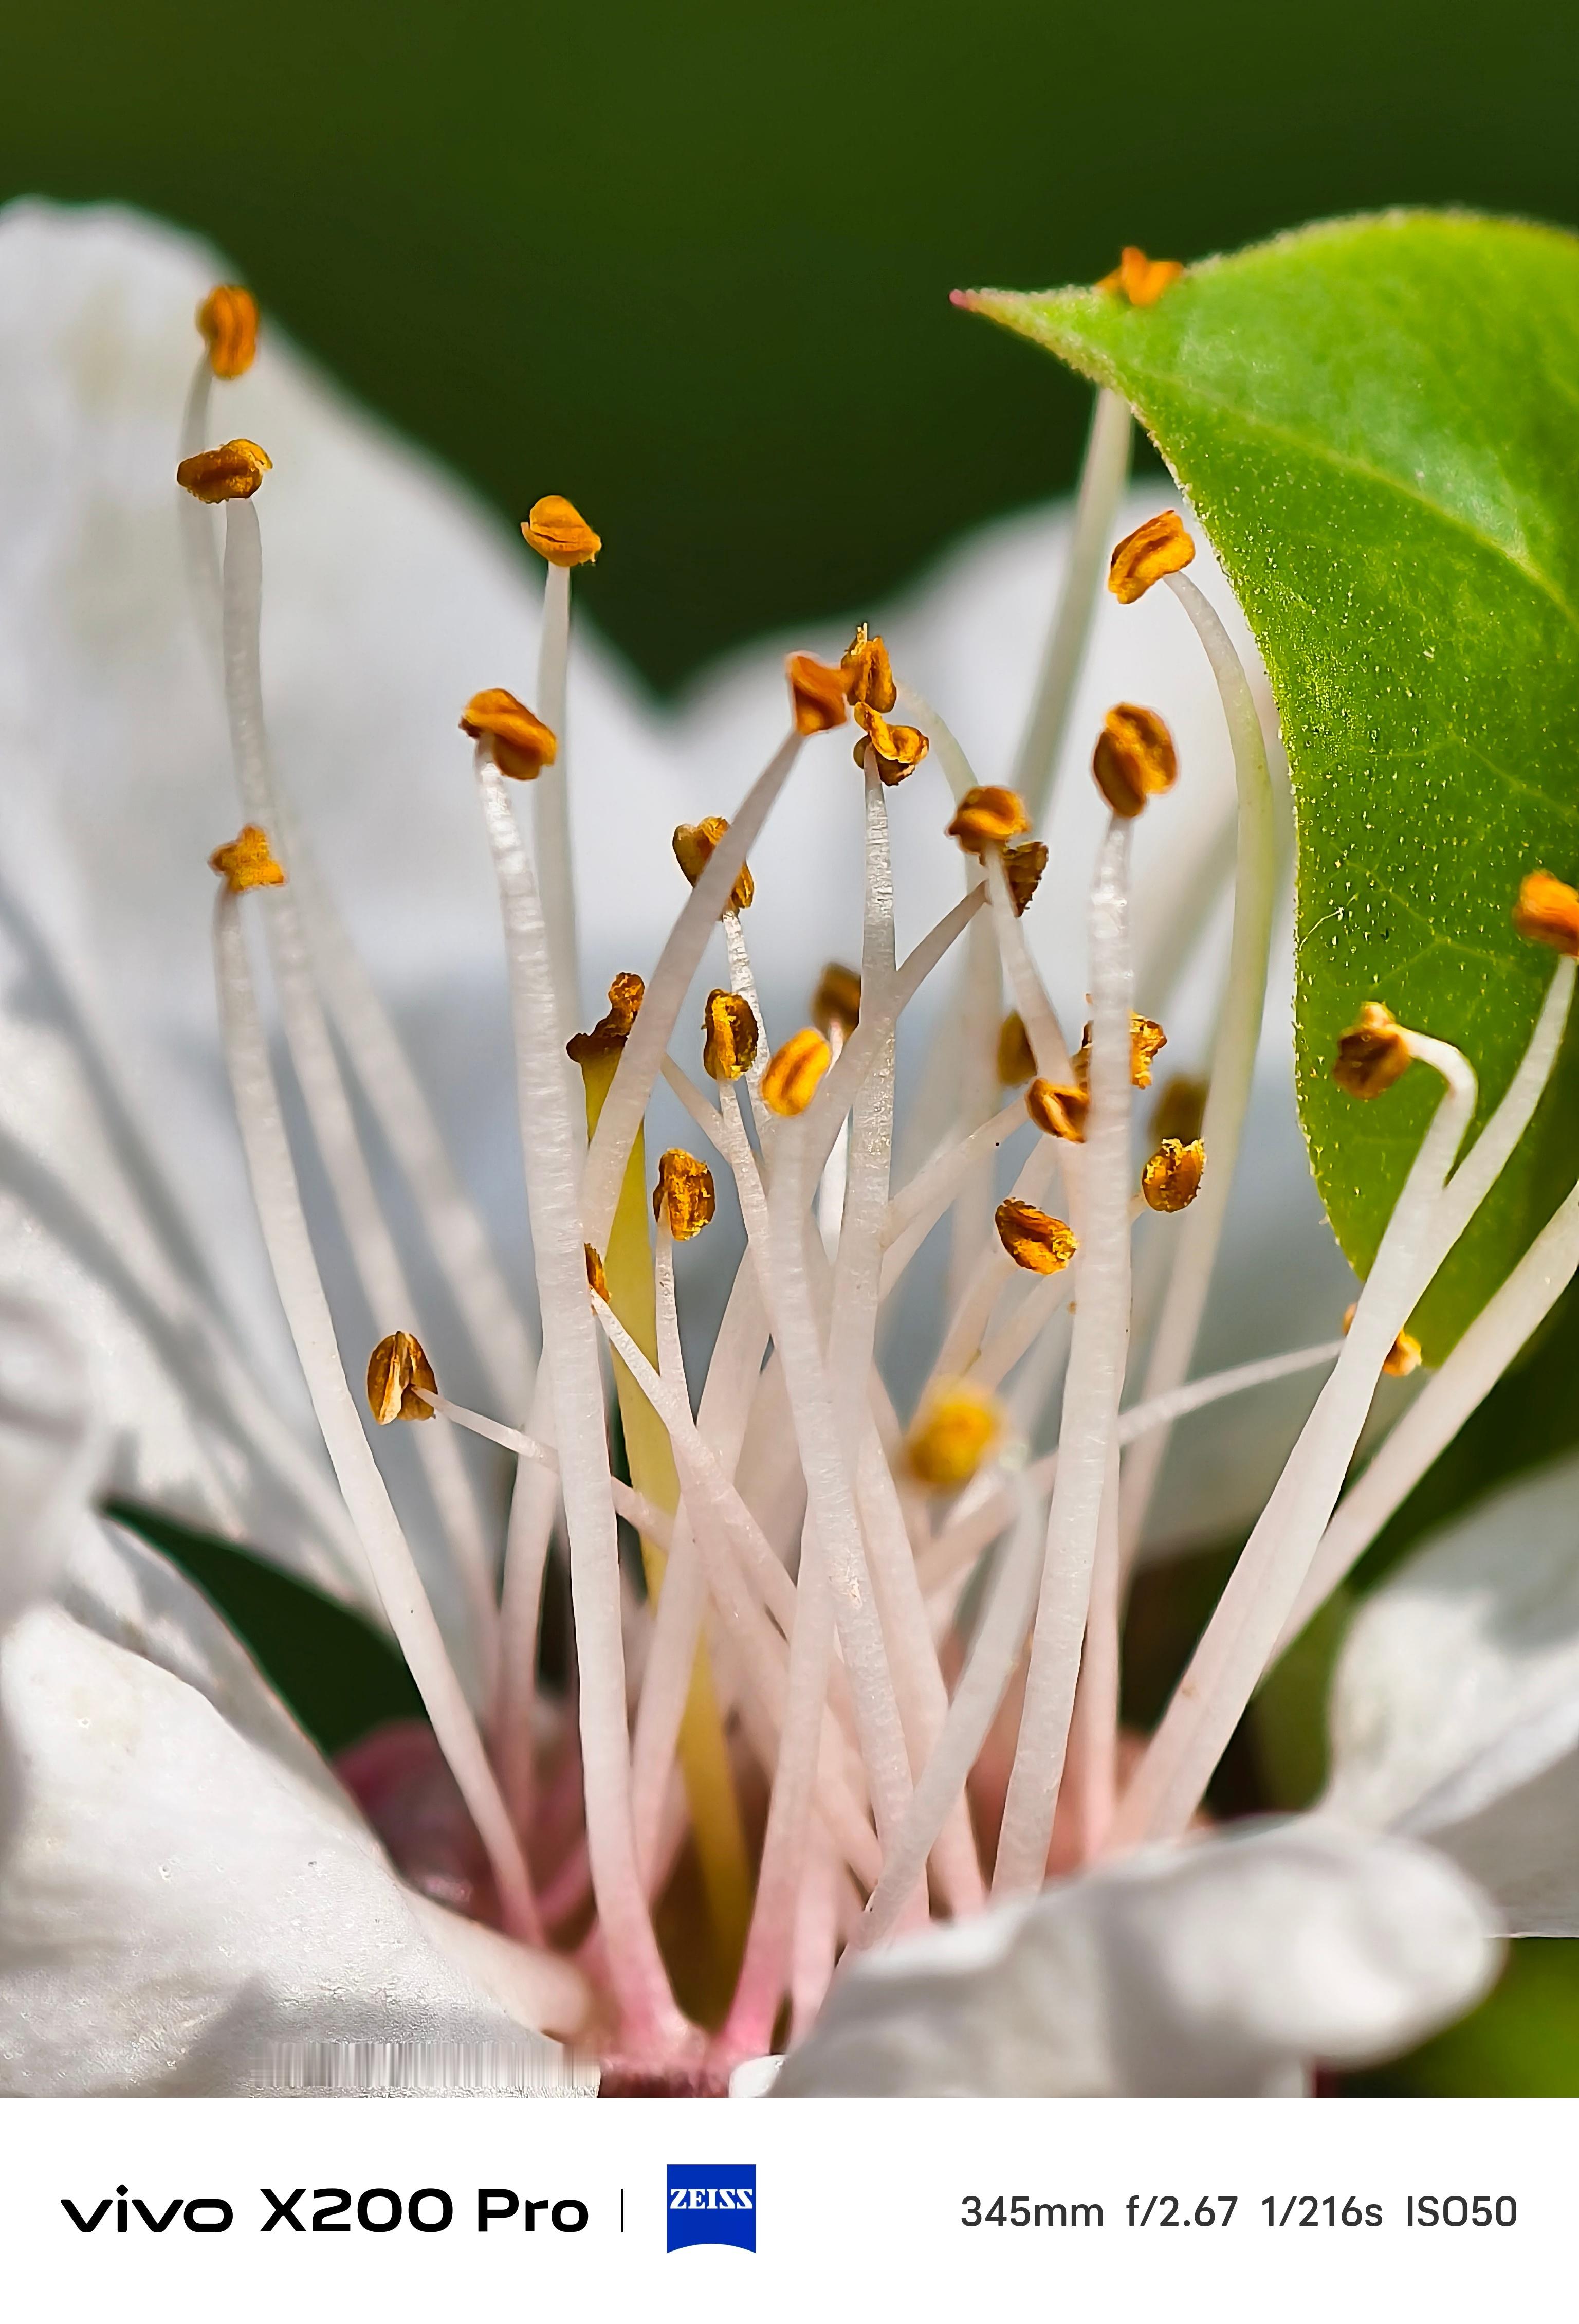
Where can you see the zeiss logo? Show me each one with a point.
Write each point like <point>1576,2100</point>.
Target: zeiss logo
<point>712,2203</point>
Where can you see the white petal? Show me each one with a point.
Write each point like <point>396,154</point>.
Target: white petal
<point>176,1900</point>
<point>116,1586</point>
<point>1217,1968</point>
<point>50,1453</point>
<point>1455,1703</point>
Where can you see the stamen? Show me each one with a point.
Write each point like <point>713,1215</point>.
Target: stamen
<point>1035,1239</point>
<point>1146,1036</point>
<point>1485,1349</point>
<point>609,1036</point>
<point>247,860</point>
<point>694,842</point>
<point>1372,1054</point>
<point>1058,1109</point>
<point>1171,1179</point>
<point>228,322</point>
<point>559,532</point>
<point>987,816</point>
<point>232,472</point>
<point>1134,759</point>
<point>1023,868</point>
<point>919,1688</point>
<point>517,743</point>
<point>1265,1585</point>
<point>683,1197</point>
<point>794,1071</point>
<point>597,1279</point>
<point>897,750</point>
<point>570,1339</point>
<point>959,1428</point>
<point>1547,912</point>
<point>836,1005</point>
<point>730,1036</point>
<point>818,694</point>
<point>1148,554</point>
<point>289,1247</point>
<point>1092,1388</point>
<point>400,1385</point>
<point>1238,1034</point>
<point>868,674</point>
<point>1139,279</point>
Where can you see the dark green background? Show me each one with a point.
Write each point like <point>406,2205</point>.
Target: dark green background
<point>690,263</point>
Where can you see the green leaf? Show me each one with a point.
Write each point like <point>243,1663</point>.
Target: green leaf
<point>1377,424</point>
<point>339,1675</point>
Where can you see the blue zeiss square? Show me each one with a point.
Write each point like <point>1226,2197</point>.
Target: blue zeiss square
<point>712,2203</point>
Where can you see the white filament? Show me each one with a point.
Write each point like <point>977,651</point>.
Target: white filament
<point>1093,1386</point>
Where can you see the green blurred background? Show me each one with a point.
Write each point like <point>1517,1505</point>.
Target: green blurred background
<point>689,264</point>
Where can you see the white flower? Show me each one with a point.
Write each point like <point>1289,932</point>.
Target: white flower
<point>810,1522</point>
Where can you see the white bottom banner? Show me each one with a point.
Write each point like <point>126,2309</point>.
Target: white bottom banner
<point>152,2208</point>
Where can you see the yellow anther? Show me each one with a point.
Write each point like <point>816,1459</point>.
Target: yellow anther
<point>694,842</point>
<point>247,860</point>
<point>1372,1054</point>
<point>1016,1063</point>
<point>837,1001</point>
<point>960,1426</point>
<point>610,1034</point>
<point>1181,1109</point>
<point>1134,758</point>
<point>868,674</point>
<point>1139,279</point>
<point>794,1071</point>
<point>1171,1180</point>
<point>817,693</point>
<point>231,472</point>
<point>517,742</point>
<point>898,749</point>
<point>228,320</point>
<point>1058,1109</point>
<point>1035,1239</point>
<point>1146,1036</point>
<point>400,1380</point>
<point>558,531</point>
<point>597,1281</point>
<point>1547,912</point>
<point>1150,553</point>
<point>1402,1358</point>
<point>1023,868</point>
<point>685,1193</point>
<point>730,1036</point>
<point>987,816</point>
